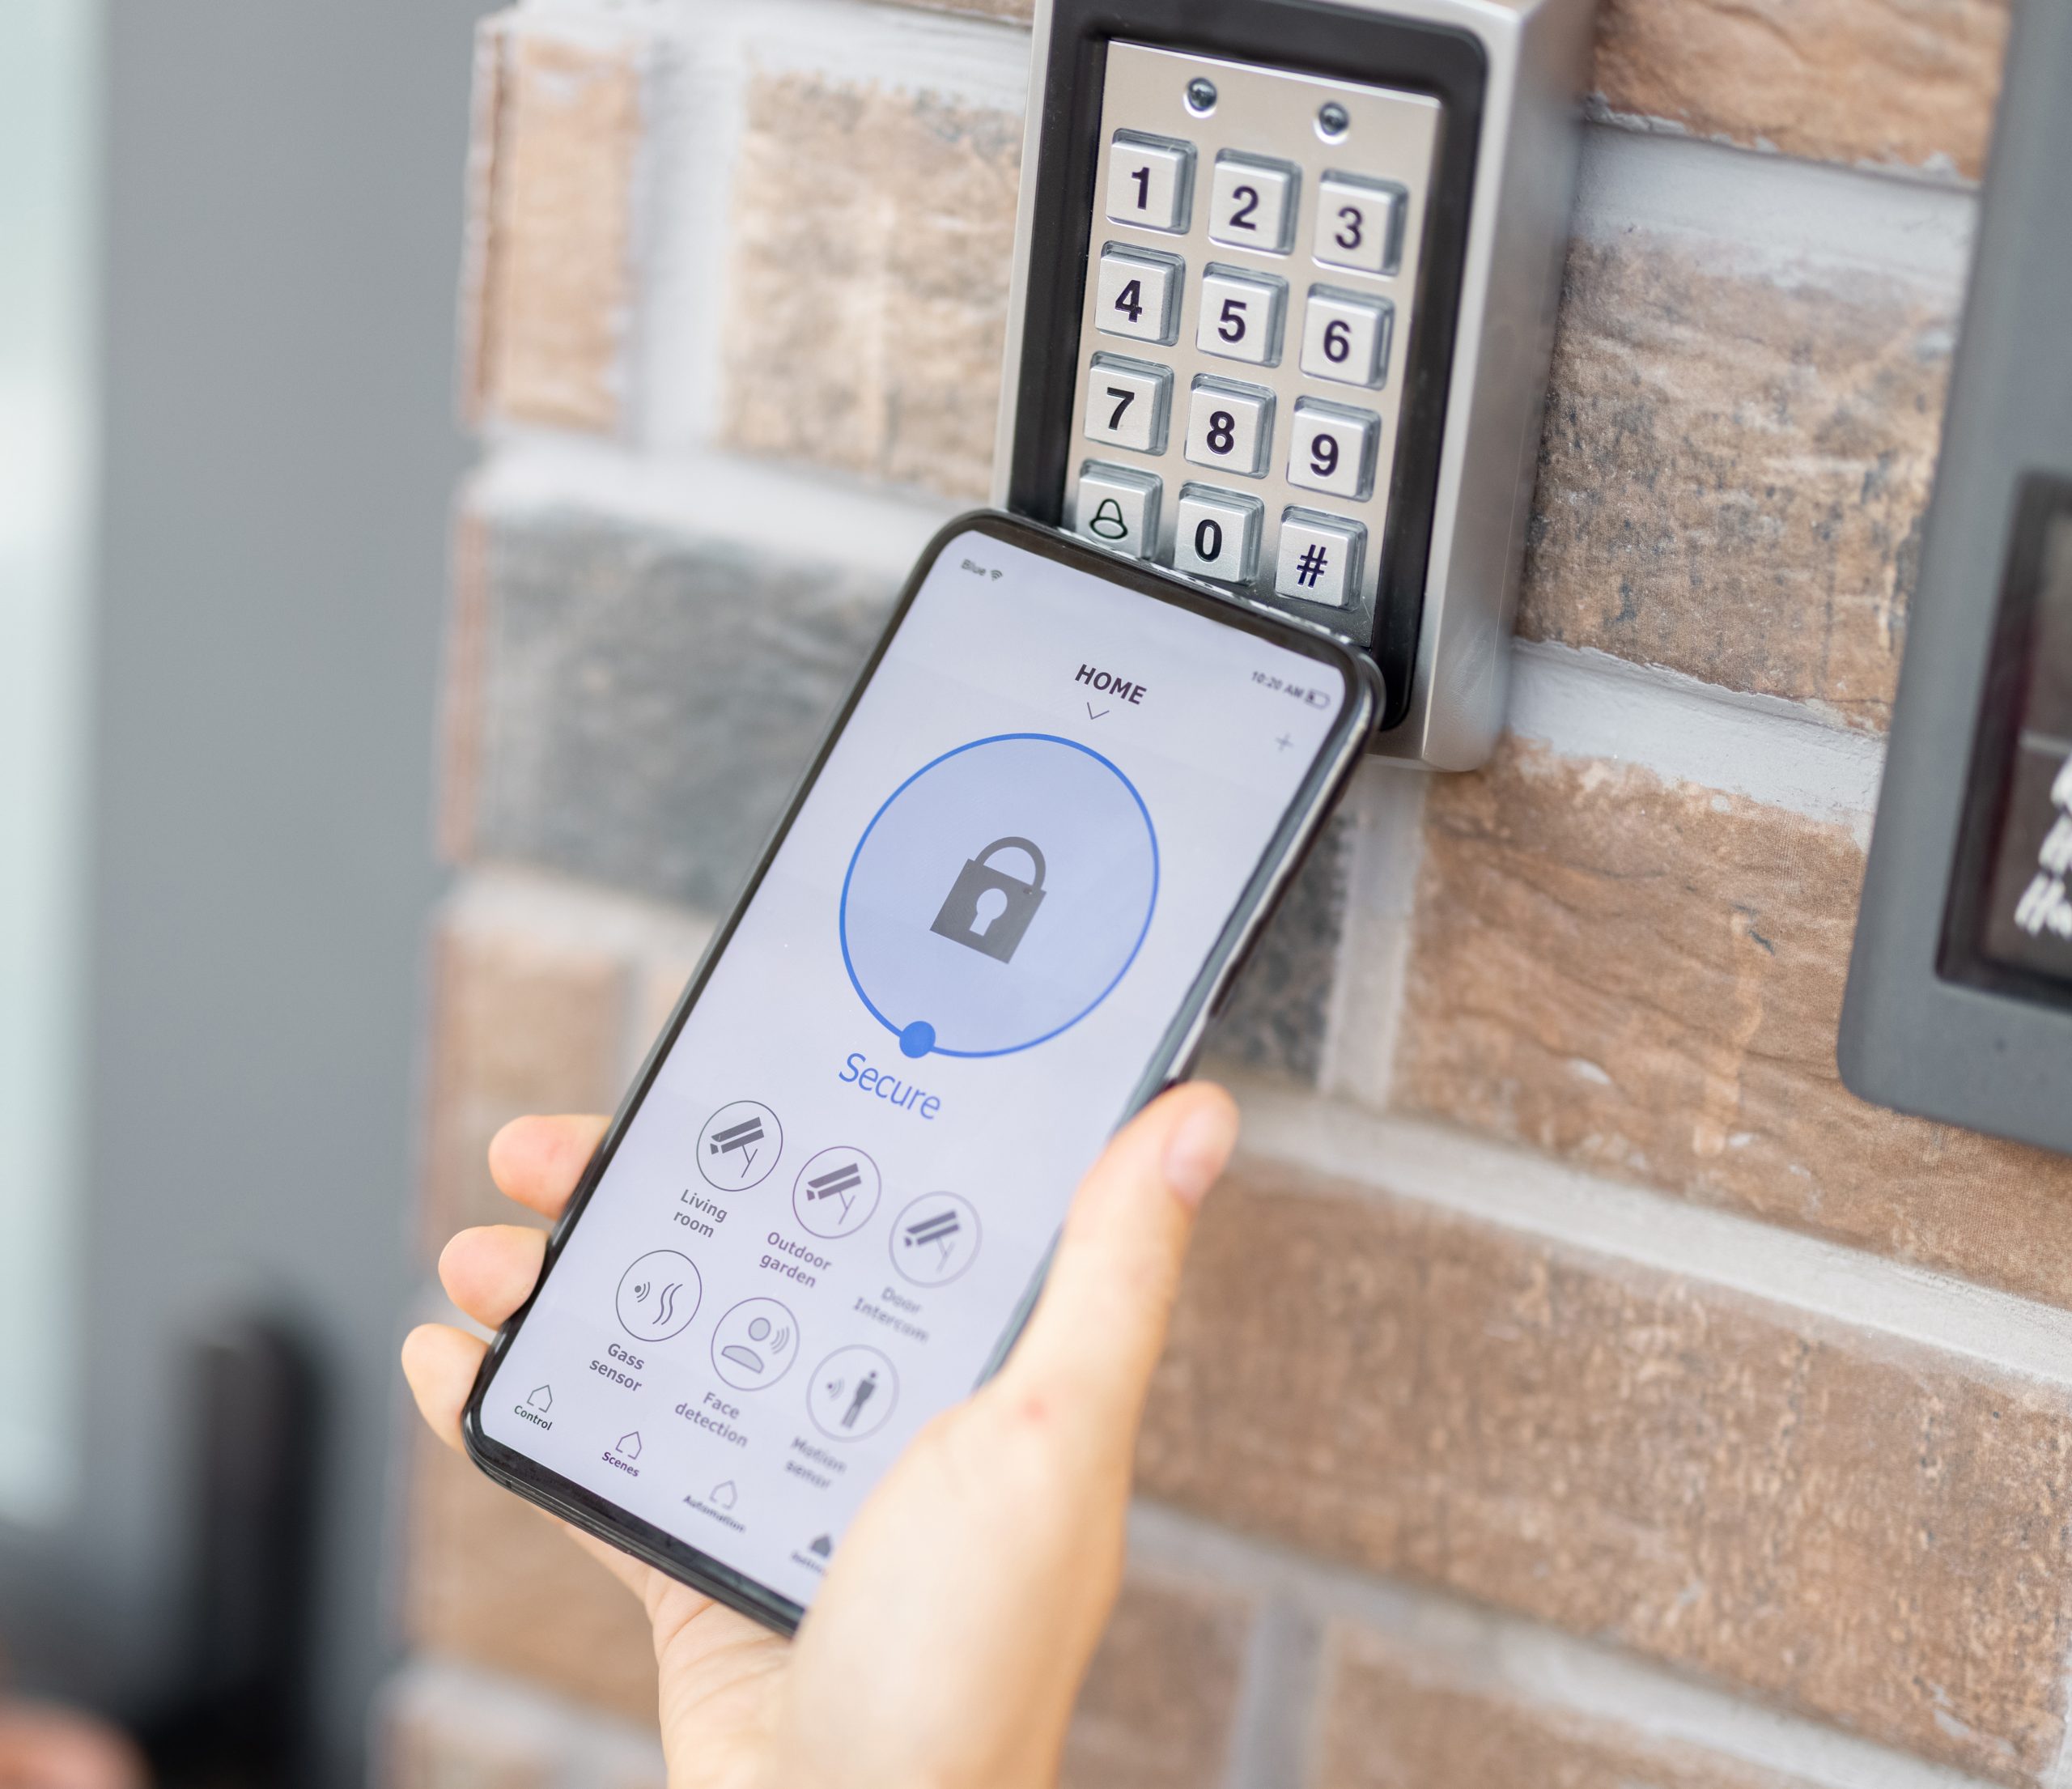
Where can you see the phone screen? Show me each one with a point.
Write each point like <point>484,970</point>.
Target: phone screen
<point>820,1222</point>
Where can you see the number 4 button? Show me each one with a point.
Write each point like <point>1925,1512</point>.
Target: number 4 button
<point>1138,295</point>
<point>1345,337</point>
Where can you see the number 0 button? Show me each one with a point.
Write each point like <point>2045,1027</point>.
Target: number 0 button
<point>1359,223</point>
<point>1241,317</point>
<point>1127,402</point>
<point>1218,535</point>
<point>1345,337</point>
<point>1139,295</point>
<point>1333,449</point>
<point>1228,427</point>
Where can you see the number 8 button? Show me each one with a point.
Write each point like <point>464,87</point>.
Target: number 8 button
<point>1228,427</point>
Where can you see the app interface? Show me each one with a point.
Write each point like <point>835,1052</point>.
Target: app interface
<point>847,1173</point>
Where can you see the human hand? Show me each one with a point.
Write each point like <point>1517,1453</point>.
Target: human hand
<point>45,1747</point>
<point>948,1640</point>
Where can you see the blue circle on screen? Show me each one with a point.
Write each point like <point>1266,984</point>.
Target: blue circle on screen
<point>1099,884</point>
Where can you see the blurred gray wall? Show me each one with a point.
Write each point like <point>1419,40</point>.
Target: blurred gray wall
<point>283,191</point>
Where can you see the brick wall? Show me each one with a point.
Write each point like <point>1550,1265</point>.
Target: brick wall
<point>1574,1385</point>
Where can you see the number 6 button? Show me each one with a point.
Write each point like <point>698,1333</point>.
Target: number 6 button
<point>1229,426</point>
<point>1359,223</point>
<point>1241,317</point>
<point>1333,449</point>
<point>1345,337</point>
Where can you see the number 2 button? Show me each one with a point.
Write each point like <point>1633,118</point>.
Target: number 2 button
<point>1359,223</point>
<point>1138,296</point>
<point>1240,317</point>
<point>1252,204</point>
<point>1127,403</point>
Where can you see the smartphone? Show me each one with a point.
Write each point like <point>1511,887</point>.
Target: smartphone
<point>996,920</point>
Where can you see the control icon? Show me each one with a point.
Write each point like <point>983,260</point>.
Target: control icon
<point>754,1344</point>
<point>853,1393</point>
<point>658,1295</point>
<point>836,1192</point>
<point>935,1238</point>
<point>988,910</point>
<point>543,1398</point>
<point>739,1146</point>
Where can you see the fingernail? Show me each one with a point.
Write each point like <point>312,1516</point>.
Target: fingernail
<point>1198,1150</point>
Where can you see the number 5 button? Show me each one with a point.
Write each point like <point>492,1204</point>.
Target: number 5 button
<point>1241,317</point>
<point>1359,223</point>
<point>1345,337</point>
<point>1333,449</point>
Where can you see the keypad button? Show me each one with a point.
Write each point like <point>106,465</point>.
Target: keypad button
<point>1319,560</point>
<point>1218,533</point>
<point>1230,427</point>
<point>1330,448</point>
<point>1128,403</point>
<point>1117,506</point>
<point>1345,337</point>
<point>1139,295</point>
<point>1150,181</point>
<point>1241,317</point>
<point>1359,223</point>
<point>1251,204</point>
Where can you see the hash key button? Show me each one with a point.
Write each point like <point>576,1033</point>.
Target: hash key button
<point>1319,558</point>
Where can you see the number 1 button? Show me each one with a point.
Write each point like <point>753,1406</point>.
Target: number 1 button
<point>1150,181</point>
<point>1359,223</point>
<point>1138,296</point>
<point>1127,403</point>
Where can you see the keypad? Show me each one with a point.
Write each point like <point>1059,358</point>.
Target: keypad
<point>1246,318</point>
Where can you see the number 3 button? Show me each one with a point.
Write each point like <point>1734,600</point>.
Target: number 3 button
<point>1359,223</point>
<point>1345,337</point>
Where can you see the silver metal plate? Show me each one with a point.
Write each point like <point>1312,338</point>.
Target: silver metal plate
<point>1381,162</point>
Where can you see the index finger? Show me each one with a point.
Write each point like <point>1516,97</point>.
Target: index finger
<point>538,1161</point>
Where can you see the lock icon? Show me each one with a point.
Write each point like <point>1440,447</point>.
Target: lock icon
<point>1008,903</point>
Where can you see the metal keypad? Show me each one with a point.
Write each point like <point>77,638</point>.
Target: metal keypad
<point>1263,250</point>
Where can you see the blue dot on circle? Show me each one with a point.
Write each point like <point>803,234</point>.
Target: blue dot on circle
<point>918,1038</point>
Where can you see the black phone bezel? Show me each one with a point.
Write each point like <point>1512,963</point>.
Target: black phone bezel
<point>1334,765</point>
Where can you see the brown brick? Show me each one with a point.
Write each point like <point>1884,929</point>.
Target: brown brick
<point>1910,83</point>
<point>557,128</point>
<point>1734,470</point>
<point>1865,1530</point>
<point>494,1581</point>
<point>522,1022</point>
<point>887,361</point>
<point>1648,979</point>
<point>1156,1713</point>
<point>1389,1721</point>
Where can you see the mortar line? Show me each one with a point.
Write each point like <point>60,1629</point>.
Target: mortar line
<point>1531,1195</point>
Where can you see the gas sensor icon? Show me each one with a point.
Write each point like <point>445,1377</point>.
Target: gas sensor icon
<point>999,895</point>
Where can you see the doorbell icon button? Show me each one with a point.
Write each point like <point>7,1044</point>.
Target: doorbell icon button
<point>988,910</point>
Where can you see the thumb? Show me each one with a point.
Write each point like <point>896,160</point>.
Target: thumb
<point>1087,1355</point>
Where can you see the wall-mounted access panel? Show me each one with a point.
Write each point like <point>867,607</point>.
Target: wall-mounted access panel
<point>1960,1002</point>
<point>1284,302</point>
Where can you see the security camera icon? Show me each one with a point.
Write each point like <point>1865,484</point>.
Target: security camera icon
<point>988,911</point>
